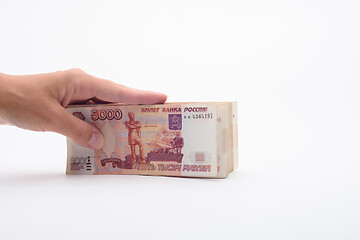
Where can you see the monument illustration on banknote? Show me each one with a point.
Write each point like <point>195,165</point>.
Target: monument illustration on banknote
<point>134,138</point>
<point>172,139</point>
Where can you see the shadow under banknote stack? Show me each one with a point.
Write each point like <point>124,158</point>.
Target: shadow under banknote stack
<point>172,139</point>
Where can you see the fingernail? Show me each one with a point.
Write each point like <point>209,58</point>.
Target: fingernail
<point>96,141</point>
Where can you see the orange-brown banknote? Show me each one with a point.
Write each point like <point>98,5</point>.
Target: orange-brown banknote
<point>172,139</point>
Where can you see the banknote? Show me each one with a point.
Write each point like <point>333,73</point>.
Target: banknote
<point>172,139</point>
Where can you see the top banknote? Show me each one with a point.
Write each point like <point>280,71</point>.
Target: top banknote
<point>172,139</point>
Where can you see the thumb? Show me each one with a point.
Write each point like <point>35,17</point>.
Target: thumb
<point>78,130</point>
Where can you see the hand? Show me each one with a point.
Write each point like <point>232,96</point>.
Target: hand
<point>37,102</point>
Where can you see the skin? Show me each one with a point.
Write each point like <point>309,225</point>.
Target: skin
<point>37,102</point>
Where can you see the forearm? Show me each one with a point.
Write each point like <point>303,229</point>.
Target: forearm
<point>131,126</point>
<point>136,126</point>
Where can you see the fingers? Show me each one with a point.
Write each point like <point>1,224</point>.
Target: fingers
<point>78,130</point>
<point>108,91</point>
<point>83,88</point>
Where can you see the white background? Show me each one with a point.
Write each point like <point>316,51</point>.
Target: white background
<point>293,67</point>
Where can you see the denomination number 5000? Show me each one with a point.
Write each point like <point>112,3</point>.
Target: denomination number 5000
<point>106,114</point>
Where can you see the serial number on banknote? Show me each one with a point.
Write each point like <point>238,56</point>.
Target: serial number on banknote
<point>202,116</point>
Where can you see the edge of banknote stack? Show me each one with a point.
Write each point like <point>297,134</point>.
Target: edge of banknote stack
<point>187,139</point>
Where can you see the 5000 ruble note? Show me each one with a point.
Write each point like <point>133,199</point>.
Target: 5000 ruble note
<point>173,139</point>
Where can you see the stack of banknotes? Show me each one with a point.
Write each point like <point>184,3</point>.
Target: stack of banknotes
<point>171,139</point>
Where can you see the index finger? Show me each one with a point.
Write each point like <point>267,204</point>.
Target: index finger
<point>90,87</point>
<point>109,91</point>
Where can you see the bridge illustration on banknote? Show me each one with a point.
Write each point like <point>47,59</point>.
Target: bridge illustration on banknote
<point>167,154</point>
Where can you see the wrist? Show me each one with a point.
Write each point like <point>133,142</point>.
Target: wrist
<point>3,98</point>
